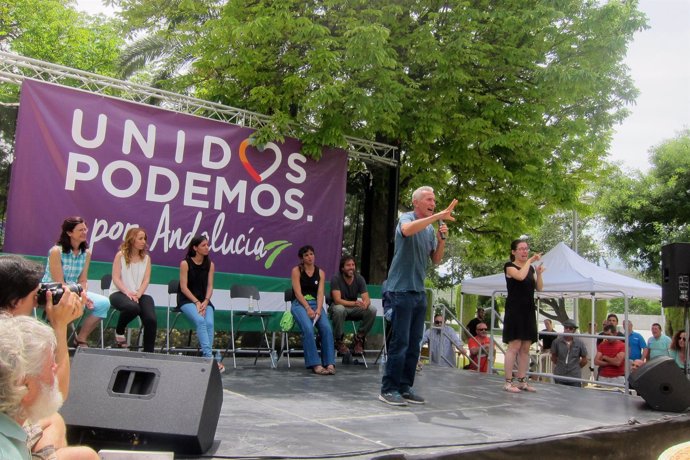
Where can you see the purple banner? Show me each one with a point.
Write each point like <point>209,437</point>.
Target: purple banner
<point>120,164</point>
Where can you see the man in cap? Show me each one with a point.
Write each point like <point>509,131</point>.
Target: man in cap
<point>569,355</point>
<point>443,342</point>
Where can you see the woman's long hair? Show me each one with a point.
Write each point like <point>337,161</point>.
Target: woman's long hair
<point>676,339</point>
<point>191,252</point>
<point>64,240</point>
<point>128,244</point>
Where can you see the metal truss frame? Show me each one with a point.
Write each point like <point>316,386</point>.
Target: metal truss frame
<point>15,69</point>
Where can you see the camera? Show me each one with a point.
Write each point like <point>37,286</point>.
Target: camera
<point>57,290</point>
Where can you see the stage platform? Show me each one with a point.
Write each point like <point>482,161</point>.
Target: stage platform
<point>291,413</point>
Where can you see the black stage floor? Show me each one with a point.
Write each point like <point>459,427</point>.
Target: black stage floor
<point>290,413</point>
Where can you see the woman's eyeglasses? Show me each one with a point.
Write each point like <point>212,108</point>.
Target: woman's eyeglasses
<point>479,329</point>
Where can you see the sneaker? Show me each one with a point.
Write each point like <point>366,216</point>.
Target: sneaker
<point>341,348</point>
<point>359,346</point>
<point>393,398</point>
<point>411,397</point>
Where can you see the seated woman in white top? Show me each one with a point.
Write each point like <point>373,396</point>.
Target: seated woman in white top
<point>131,277</point>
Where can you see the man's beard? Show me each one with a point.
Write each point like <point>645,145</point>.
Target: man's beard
<point>49,401</point>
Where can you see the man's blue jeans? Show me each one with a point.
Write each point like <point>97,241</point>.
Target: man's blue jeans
<point>408,314</point>
<point>311,355</point>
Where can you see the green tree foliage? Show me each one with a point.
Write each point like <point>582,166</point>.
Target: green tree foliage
<point>636,306</point>
<point>53,31</point>
<point>507,106</point>
<point>643,212</point>
<point>584,309</point>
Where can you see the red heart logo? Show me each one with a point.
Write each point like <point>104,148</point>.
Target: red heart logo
<point>268,171</point>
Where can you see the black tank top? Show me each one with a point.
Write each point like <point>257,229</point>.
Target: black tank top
<point>197,281</point>
<point>310,284</point>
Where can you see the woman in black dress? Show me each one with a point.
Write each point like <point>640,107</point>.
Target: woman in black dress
<point>520,322</point>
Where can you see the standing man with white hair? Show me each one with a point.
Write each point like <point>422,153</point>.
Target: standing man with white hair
<point>416,242</point>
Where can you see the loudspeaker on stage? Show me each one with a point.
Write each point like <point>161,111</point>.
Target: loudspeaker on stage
<point>675,274</point>
<point>143,401</point>
<point>662,384</point>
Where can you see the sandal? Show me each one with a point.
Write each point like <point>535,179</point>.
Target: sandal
<point>221,368</point>
<point>319,370</point>
<point>80,343</point>
<point>120,341</point>
<point>510,388</point>
<point>330,370</point>
<point>524,386</point>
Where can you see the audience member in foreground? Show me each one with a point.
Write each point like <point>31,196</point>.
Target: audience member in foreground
<point>19,286</point>
<point>30,394</point>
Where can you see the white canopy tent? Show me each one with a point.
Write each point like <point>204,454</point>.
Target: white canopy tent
<point>569,275</point>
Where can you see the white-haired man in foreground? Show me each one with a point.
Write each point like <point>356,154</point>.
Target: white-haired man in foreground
<point>19,284</point>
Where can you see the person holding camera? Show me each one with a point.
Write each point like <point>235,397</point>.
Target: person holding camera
<point>20,292</point>
<point>131,277</point>
<point>68,262</point>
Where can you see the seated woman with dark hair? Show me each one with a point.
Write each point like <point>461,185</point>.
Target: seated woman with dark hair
<point>308,285</point>
<point>68,263</point>
<point>196,289</point>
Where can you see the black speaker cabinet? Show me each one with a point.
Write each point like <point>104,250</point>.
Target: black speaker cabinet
<point>675,274</point>
<point>662,384</point>
<point>144,401</point>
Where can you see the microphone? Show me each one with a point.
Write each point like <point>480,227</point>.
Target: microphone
<point>440,222</point>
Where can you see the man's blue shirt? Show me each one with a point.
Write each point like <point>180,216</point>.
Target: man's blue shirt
<point>411,257</point>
